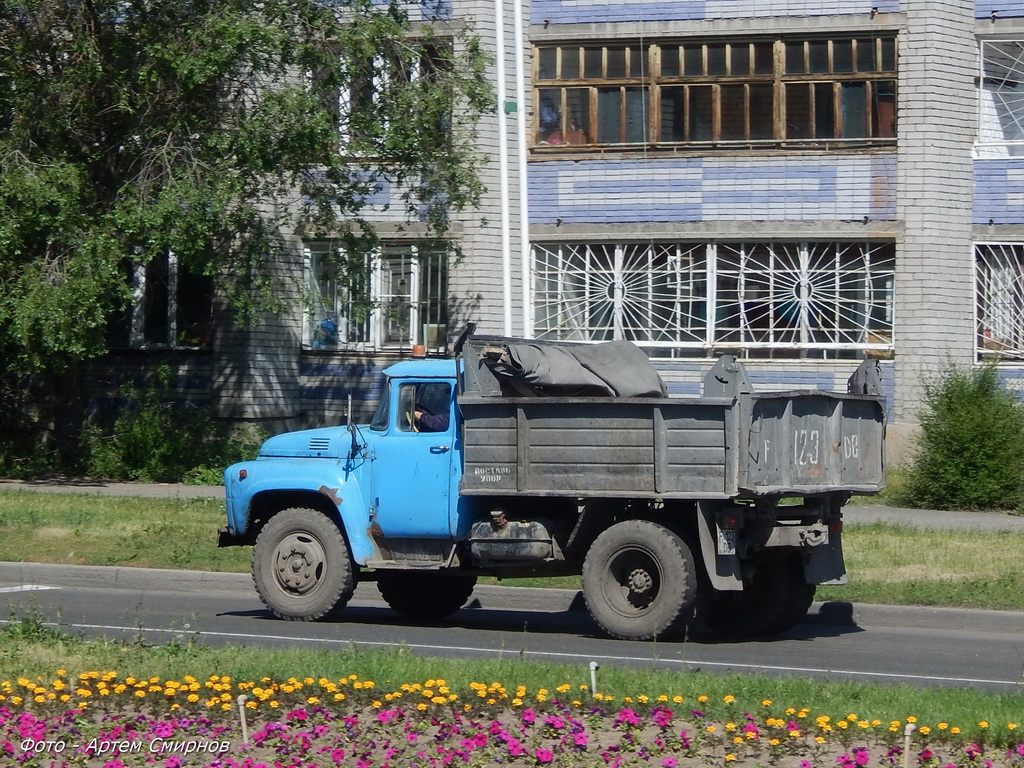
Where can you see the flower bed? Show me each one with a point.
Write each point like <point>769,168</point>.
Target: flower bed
<point>102,720</point>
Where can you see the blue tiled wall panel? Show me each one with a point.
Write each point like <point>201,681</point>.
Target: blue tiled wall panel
<point>575,11</point>
<point>983,8</point>
<point>713,189</point>
<point>999,191</point>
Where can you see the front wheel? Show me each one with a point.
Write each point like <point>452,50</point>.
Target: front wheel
<point>640,582</point>
<point>425,595</point>
<point>301,566</point>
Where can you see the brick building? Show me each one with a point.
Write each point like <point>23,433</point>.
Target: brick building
<point>804,182</point>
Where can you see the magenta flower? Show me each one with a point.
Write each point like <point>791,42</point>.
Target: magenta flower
<point>544,756</point>
<point>669,762</point>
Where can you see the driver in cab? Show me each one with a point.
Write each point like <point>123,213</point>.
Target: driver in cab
<point>431,422</point>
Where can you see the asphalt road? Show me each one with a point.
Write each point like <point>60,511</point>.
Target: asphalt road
<point>927,647</point>
<point>839,641</point>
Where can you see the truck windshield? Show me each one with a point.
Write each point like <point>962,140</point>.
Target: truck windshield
<point>380,418</point>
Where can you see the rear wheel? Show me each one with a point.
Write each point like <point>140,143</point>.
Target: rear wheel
<point>301,566</point>
<point>640,582</point>
<point>776,598</point>
<point>425,595</point>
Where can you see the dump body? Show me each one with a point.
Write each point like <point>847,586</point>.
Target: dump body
<point>729,444</point>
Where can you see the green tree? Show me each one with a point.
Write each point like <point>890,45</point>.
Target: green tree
<point>207,128</point>
<point>970,453</point>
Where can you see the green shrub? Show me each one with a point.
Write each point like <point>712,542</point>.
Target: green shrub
<point>157,439</point>
<point>970,453</point>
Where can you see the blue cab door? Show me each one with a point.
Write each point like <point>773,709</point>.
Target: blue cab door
<point>410,475</point>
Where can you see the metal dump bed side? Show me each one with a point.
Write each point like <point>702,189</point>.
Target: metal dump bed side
<point>600,447</point>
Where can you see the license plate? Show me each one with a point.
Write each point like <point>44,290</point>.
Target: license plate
<point>726,542</point>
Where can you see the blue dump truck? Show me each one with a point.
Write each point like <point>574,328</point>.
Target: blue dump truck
<point>526,458</point>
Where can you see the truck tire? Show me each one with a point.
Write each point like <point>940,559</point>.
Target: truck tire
<point>640,582</point>
<point>301,566</point>
<point>776,598</point>
<point>425,595</point>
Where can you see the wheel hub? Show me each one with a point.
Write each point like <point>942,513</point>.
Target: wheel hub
<point>640,581</point>
<point>300,563</point>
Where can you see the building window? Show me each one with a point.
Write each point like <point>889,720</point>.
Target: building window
<point>1001,99</point>
<point>808,93</point>
<point>769,299</point>
<point>999,291</point>
<point>171,307</point>
<point>394,298</point>
<point>372,90</point>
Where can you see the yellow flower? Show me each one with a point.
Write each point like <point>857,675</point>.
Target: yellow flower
<point>702,699</point>
<point>710,729</point>
<point>820,739</point>
<point>677,699</point>
<point>773,742</point>
<point>62,672</point>
<point>729,698</point>
<point>730,757</point>
<point>1012,726</point>
<point>911,719</point>
<point>983,724</point>
<point>517,702</point>
<point>730,726</point>
<point>954,730</point>
<point>766,703</point>
<point>924,730</point>
<point>421,706</point>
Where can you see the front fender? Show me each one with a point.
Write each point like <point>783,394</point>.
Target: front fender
<point>251,485</point>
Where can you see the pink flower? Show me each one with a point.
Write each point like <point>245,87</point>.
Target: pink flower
<point>544,756</point>
<point>669,762</point>
<point>529,716</point>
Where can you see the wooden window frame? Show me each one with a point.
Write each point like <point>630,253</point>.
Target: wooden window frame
<point>849,81</point>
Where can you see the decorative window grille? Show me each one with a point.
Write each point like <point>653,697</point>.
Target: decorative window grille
<point>811,93</point>
<point>1001,98</point>
<point>999,291</point>
<point>772,296</point>
<point>395,298</point>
